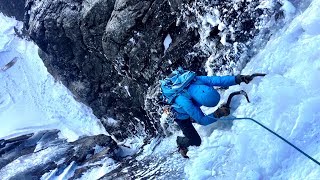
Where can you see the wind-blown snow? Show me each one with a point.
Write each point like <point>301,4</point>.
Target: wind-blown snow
<point>287,101</point>
<point>30,99</point>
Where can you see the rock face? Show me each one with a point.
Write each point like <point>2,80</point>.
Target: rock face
<point>152,167</point>
<point>111,53</point>
<point>13,8</point>
<point>36,154</point>
<point>108,52</point>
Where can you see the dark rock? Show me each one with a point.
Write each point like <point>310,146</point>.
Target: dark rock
<point>109,53</point>
<point>13,8</point>
<point>155,166</point>
<point>79,172</point>
<point>44,151</point>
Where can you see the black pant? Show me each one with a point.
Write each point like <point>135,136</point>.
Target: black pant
<point>191,138</point>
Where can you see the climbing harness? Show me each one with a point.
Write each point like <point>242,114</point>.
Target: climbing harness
<point>247,118</point>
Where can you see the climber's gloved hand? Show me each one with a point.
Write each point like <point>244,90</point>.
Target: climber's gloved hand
<point>222,111</point>
<point>243,78</point>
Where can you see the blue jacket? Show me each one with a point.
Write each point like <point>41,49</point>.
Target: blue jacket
<point>201,93</point>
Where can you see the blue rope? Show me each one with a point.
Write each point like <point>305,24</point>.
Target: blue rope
<point>245,118</point>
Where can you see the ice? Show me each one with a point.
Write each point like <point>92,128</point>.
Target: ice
<point>288,8</point>
<point>167,42</point>
<point>266,4</point>
<point>223,39</point>
<point>127,89</point>
<point>67,171</point>
<point>24,162</point>
<point>96,173</point>
<point>221,26</point>
<point>287,101</point>
<point>311,21</point>
<point>87,5</point>
<point>111,122</point>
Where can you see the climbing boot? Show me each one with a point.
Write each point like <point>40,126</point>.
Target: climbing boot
<point>183,151</point>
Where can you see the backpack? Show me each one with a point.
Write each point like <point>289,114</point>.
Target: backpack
<point>175,84</point>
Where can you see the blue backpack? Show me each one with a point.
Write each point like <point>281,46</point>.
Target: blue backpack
<point>175,83</point>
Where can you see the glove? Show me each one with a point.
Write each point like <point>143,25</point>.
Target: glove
<point>222,111</point>
<point>243,78</point>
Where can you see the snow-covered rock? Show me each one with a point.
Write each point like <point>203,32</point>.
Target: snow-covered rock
<point>44,155</point>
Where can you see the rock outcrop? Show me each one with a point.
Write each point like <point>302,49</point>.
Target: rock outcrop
<point>111,53</point>
<point>108,53</point>
<point>13,8</point>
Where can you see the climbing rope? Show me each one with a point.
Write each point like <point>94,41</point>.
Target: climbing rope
<point>246,118</point>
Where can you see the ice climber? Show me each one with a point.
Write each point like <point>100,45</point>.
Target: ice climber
<point>186,93</point>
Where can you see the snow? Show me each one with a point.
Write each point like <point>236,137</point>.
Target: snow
<point>66,173</point>
<point>111,121</point>
<point>311,20</point>
<point>87,5</point>
<point>287,101</point>
<point>266,4</point>
<point>130,146</point>
<point>288,8</point>
<point>167,41</point>
<point>223,39</point>
<point>31,99</point>
<point>96,173</point>
<point>127,89</point>
<point>24,162</point>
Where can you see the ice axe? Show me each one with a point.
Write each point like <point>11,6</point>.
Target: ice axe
<point>256,75</point>
<point>242,92</point>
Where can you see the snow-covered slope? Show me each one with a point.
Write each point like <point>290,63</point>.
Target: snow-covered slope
<point>30,99</point>
<point>287,100</point>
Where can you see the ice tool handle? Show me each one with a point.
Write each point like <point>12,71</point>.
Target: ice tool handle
<point>242,92</point>
<point>256,75</point>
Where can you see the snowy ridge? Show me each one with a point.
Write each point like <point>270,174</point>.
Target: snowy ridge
<point>30,99</point>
